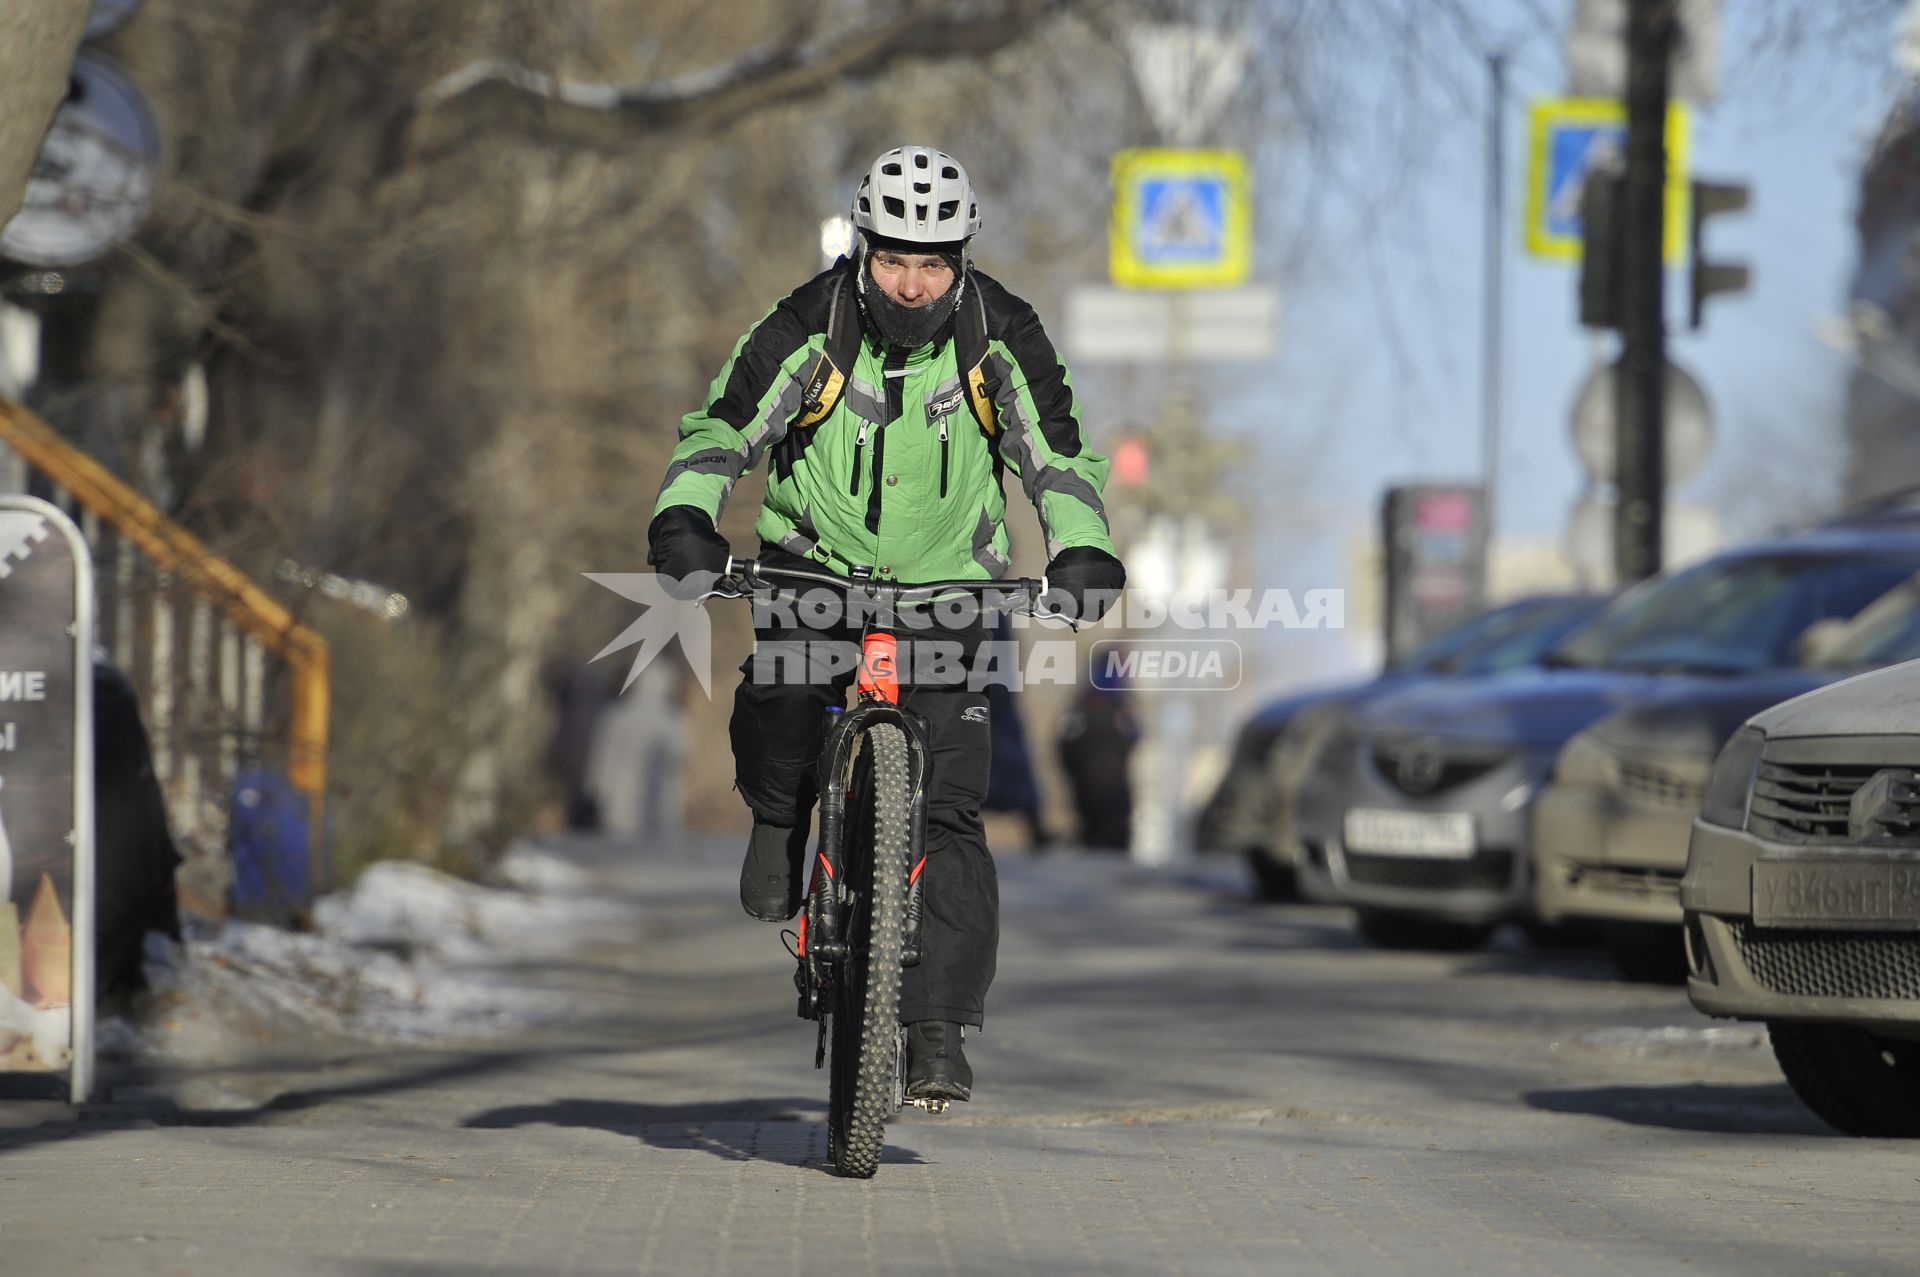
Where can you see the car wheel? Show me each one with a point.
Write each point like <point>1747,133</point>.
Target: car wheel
<point>1858,1083</point>
<point>1647,953</point>
<point>1390,929</point>
<point>1271,879</point>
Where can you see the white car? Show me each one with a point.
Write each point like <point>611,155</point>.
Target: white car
<point>1802,895</point>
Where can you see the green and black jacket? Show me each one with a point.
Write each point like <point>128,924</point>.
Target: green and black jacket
<point>900,476</point>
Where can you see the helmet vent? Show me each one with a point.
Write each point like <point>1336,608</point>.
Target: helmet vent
<point>914,194</point>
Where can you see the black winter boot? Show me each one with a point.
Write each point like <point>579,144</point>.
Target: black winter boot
<point>770,876</point>
<point>936,1066</point>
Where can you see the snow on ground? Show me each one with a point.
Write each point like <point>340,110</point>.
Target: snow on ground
<point>410,954</point>
<point>1713,1037</point>
<point>408,907</point>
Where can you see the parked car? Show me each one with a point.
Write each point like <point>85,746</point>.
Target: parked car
<point>1420,812</point>
<point>1802,896</point>
<point>1610,830</point>
<point>1250,812</point>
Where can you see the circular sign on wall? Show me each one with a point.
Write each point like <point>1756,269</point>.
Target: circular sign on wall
<point>92,184</point>
<point>108,16</point>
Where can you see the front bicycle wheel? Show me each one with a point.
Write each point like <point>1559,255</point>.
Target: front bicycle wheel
<point>866,1001</point>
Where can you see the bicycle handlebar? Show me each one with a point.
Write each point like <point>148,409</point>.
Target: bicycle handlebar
<point>754,572</point>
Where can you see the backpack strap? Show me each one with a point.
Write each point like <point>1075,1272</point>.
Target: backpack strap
<point>828,380</point>
<point>970,353</point>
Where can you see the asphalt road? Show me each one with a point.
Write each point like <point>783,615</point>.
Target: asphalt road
<point>1173,1080</point>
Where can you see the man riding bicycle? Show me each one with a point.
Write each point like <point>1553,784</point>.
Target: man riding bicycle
<point>890,392</point>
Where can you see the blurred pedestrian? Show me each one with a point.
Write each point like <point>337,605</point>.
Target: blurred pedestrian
<point>1011,784</point>
<point>633,765</point>
<point>579,693</point>
<point>1096,742</point>
<point>134,853</point>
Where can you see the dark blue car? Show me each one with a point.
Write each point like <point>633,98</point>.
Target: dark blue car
<point>1418,813</point>
<point>1249,811</point>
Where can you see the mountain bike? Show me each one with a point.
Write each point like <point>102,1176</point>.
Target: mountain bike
<point>860,924</point>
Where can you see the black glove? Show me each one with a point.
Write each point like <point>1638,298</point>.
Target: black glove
<point>1083,582</point>
<point>681,541</point>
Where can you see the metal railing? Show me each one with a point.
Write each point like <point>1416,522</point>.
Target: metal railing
<point>229,681</point>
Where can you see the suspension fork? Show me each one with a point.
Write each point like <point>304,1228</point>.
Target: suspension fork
<point>836,772</point>
<point>917,857</point>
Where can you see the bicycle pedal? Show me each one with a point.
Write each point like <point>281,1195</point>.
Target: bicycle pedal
<point>938,1104</point>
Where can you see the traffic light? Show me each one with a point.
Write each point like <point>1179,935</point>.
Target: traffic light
<point>1709,277</point>
<point>1602,281</point>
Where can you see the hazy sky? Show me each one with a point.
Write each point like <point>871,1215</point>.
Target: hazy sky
<point>1347,416</point>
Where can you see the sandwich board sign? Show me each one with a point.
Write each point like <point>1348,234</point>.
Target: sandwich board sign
<point>46,794</point>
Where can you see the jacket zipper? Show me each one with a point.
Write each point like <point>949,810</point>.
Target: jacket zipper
<point>873,493</point>
<point>859,442</point>
<point>896,361</point>
<point>943,456</point>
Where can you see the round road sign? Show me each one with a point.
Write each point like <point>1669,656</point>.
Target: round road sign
<point>1689,424</point>
<point>93,182</point>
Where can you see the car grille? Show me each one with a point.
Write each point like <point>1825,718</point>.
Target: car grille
<point>1807,802</point>
<point>1649,884</point>
<point>1420,766</point>
<point>1831,964</point>
<point>1660,787</point>
<point>1483,871</point>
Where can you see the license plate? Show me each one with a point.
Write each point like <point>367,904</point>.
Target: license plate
<point>1809,893</point>
<point>1447,835</point>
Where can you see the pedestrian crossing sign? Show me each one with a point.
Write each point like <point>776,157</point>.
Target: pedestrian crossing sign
<point>1181,219</point>
<point>1575,136</point>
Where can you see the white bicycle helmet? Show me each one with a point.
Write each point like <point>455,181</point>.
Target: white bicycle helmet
<point>917,195</point>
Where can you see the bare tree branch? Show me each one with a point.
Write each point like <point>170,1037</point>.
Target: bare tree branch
<point>493,93</point>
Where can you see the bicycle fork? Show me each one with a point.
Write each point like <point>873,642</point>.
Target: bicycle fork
<point>821,945</point>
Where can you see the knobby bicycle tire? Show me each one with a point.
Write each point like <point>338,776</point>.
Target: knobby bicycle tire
<point>866,1006</point>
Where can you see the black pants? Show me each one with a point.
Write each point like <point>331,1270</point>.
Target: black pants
<point>777,728</point>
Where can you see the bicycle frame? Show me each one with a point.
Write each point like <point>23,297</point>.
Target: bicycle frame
<point>820,943</point>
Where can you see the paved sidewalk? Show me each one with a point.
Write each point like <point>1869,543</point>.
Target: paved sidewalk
<point>1173,1081</point>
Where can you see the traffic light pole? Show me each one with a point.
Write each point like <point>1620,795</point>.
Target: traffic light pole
<point>1490,350</point>
<point>1640,439</point>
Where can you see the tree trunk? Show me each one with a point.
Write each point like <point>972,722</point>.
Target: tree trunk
<point>38,39</point>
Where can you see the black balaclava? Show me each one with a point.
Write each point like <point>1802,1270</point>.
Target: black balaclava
<point>909,326</point>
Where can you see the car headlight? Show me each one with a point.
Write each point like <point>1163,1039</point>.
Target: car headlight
<point>1585,762</point>
<point>1730,787</point>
